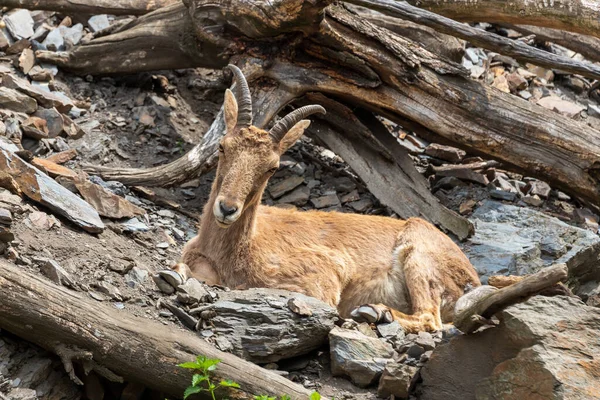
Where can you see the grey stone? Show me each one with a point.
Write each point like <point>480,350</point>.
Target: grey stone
<point>425,340</point>
<point>512,240</point>
<point>262,328</point>
<point>525,94</point>
<point>98,22</point>
<point>192,292</point>
<point>285,186</point>
<point>542,189</point>
<point>329,200</point>
<point>20,24</point>
<point>545,348</point>
<point>16,101</point>
<point>54,41</point>
<point>136,277</point>
<point>464,174</point>
<point>40,92</point>
<point>593,110</point>
<point>396,380</point>
<point>502,195</point>
<point>5,216</point>
<point>361,205</point>
<point>23,394</point>
<point>110,290</point>
<point>447,153</point>
<point>358,356</point>
<point>391,330</point>
<point>134,225</point>
<point>166,213</point>
<point>533,200</point>
<point>343,184</point>
<point>73,34</point>
<point>57,274</point>
<point>415,351</point>
<point>590,293</point>
<point>298,196</point>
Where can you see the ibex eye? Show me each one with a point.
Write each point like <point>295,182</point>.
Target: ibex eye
<point>273,170</point>
<point>221,149</point>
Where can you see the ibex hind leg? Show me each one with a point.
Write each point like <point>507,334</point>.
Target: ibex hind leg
<point>424,291</point>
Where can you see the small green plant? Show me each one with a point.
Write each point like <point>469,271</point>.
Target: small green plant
<point>201,382</point>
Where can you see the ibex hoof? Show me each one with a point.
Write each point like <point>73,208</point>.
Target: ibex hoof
<point>372,313</point>
<point>167,281</point>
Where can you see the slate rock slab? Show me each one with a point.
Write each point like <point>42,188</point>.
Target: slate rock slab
<point>511,240</point>
<point>261,327</point>
<point>41,188</point>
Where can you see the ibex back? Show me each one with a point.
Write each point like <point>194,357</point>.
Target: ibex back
<point>369,267</point>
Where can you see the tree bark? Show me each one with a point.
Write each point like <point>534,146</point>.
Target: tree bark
<point>116,344</point>
<point>587,46</point>
<point>581,16</point>
<point>91,7</point>
<point>518,50</point>
<point>474,309</point>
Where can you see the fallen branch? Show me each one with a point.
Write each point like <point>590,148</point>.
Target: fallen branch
<point>474,309</point>
<point>91,7</point>
<point>587,46</point>
<point>138,349</point>
<point>520,51</point>
<point>568,15</point>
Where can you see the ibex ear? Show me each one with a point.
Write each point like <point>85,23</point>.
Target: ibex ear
<point>293,135</point>
<point>230,108</point>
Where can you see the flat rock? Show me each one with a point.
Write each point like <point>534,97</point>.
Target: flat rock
<point>57,274</point>
<point>106,203</point>
<point>54,120</point>
<point>511,240</point>
<point>41,188</point>
<point>261,327</point>
<point>539,188</point>
<point>446,153</point>
<point>544,348</point>
<point>329,200</point>
<point>53,169</point>
<point>16,101</point>
<point>44,97</point>
<point>396,380</point>
<point>561,106</point>
<point>297,197</point>
<point>285,186</point>
<point>192,292</point>
<point>5,216</point>
<point>20,24</point>
<point>360,357</point>
<point>98,22</point>
<point>26,60</point>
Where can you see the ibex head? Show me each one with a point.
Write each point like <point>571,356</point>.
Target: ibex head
<point>248,156</point>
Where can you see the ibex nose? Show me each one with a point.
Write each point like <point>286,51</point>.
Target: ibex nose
<point>227,210</point>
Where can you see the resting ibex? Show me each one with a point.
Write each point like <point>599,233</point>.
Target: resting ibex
<point>370,267</point>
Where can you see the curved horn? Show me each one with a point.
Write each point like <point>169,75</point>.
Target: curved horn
<point>245,101</point>
<point>286,123</point>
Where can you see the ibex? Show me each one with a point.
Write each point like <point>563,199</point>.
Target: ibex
<point>373,268</point>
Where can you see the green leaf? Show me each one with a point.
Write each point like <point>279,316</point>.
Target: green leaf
<point>229,383</point>
<point>191,390</point>
<point>285,397</point>
<point>197,379</point>
<point>264,397</point>
<point>190,365</point>
<point>315,396</point>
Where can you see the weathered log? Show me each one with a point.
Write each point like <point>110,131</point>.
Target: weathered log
<point>385,167</point>
<point>475,308</point>
<point>520,51</point>
<point>91,7</point>
<point>117,344</point>
<point>587,46</point>
<point>579,16</point>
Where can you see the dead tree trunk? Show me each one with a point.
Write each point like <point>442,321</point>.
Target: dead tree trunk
<point>303,46</point>
<point>579,16</point>
<point>135,349</point>
<point>121,7</point>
